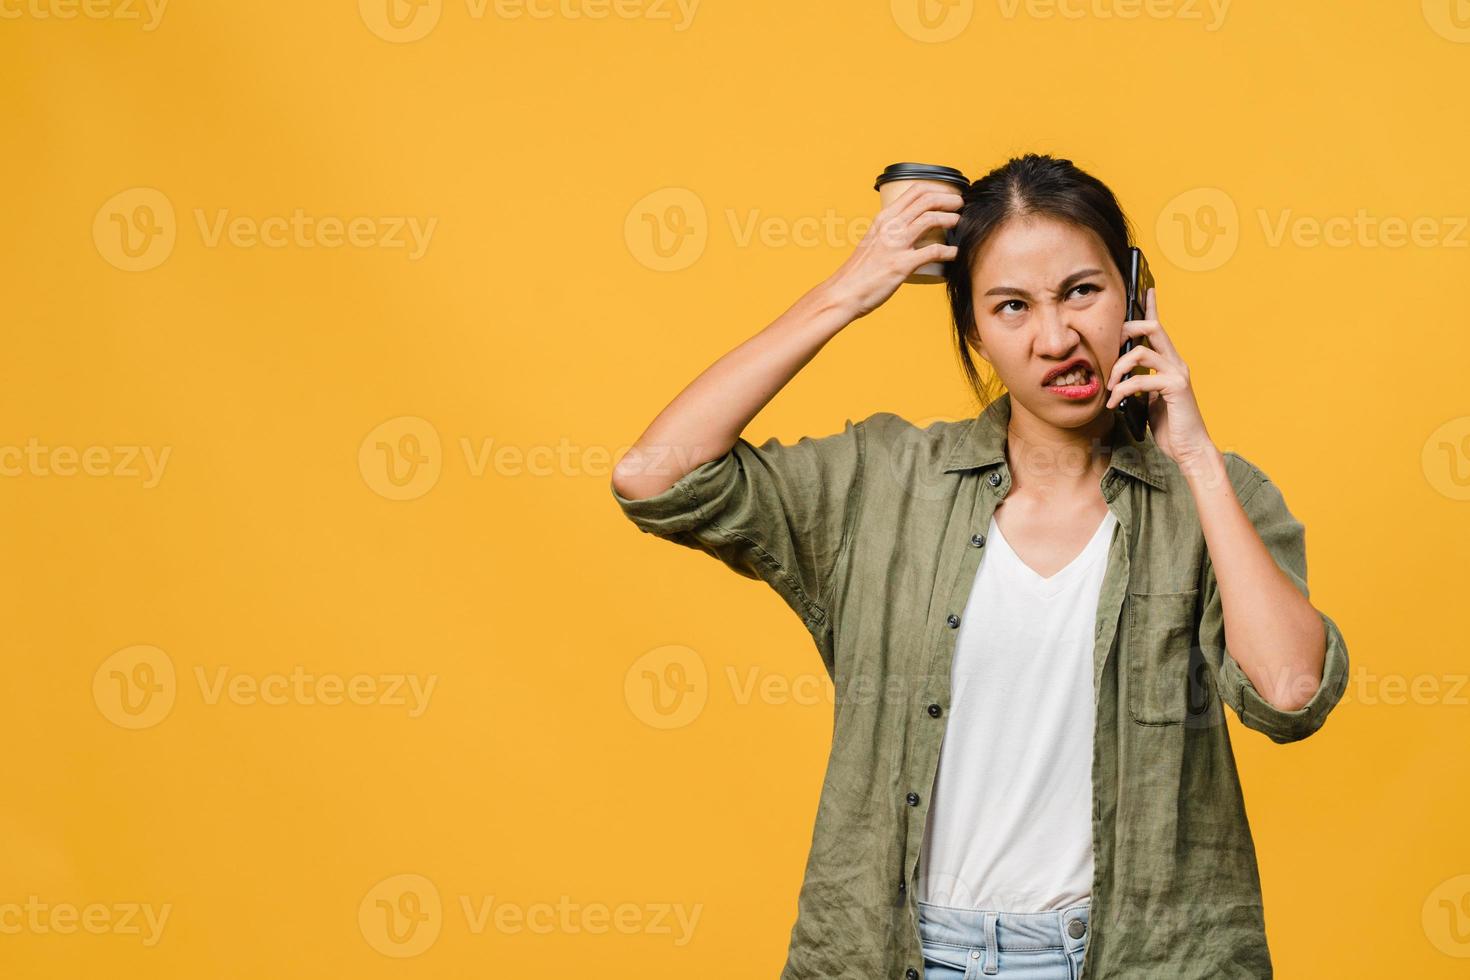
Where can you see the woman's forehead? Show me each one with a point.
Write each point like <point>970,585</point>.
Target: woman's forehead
<point>1038,245</point>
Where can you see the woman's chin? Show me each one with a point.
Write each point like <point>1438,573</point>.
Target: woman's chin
<point>1063,412</point>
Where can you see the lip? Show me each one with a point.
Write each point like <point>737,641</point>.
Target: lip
<point>1077,393</point>
<point>1080,362</point>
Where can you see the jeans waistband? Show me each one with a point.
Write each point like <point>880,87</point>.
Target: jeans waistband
<point>1004,930</point>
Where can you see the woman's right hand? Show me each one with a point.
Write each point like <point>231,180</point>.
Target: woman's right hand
<point>886,255</point>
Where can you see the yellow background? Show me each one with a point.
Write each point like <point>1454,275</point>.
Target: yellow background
<point>543,775</point>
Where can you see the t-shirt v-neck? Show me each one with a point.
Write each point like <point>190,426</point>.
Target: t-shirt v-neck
<point>1050,585</point>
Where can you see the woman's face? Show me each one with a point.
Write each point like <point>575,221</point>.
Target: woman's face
<point>1047,294</point>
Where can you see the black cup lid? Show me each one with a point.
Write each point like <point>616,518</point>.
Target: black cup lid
<point>921,171</point>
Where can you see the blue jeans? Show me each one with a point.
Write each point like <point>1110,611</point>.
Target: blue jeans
<point>970,944</point>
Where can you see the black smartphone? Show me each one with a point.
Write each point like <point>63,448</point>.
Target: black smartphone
<point>1135,407</point>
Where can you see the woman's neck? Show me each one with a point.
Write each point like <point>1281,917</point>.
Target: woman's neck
<point>1054,461</point>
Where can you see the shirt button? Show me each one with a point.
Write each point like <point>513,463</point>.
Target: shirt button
<point>913,799</point>
<point>953,621</point>
<point>995,478</point>
<point>977,539</point>
<point>911,974</point>
<point>902,886</point>
<point>934,711</point>
<point>1076,928</point>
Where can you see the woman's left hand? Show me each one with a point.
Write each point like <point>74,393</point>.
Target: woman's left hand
<point>1173,413</point>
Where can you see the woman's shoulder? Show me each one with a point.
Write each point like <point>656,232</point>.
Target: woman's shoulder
<point>929,428</point>
<point>911,445</point>
<point>891,428</point>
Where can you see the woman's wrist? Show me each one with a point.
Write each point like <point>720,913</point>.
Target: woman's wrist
<point>832,304</point>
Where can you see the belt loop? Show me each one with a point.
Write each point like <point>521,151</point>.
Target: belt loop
<point>992,964</point>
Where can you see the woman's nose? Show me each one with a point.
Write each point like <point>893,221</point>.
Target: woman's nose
<point>1054,335</point>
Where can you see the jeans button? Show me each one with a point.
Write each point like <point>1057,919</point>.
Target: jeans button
<point>1076,928</point>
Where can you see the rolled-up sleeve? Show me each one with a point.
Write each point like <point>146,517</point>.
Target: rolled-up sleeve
<point>1285,539</point>
<point>775,512</point>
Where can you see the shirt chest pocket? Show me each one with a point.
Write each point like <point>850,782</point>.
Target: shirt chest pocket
<point>1160,637</point>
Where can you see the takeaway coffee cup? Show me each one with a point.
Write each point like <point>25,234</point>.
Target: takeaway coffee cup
<point>897,178</point>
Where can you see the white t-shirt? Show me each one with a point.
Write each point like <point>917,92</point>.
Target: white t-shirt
<point>1010,824</point>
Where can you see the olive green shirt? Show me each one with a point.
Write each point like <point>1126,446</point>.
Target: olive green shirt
<point>873,536</point>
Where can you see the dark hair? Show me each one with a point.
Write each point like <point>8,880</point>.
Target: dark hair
<point>1034,184</point>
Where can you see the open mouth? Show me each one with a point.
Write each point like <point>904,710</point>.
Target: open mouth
<point>1074,380</point>
<point>1078,372</point>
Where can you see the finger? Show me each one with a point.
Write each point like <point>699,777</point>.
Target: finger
<point>1151,304</point>
<point>931,219</point>
<point>899,203</point>
<point>931,200</point>
<point>1138,383</point>
<point>903,229</point>
<point>1153,333</point>
<point>937,252</point>
<point>1138,357</point>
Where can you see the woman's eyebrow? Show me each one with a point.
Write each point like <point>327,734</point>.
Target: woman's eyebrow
<point>1067,284</point>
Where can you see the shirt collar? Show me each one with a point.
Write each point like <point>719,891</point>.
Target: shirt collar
<point>982,443</point>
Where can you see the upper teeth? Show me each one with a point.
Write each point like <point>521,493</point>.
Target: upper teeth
<point>1073,377</point>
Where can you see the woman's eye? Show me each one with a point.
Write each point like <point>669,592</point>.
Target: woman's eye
<point>1002,307</point>
<point>1087,285</point>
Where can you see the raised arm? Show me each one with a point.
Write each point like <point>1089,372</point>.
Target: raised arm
<point>704,420</point>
